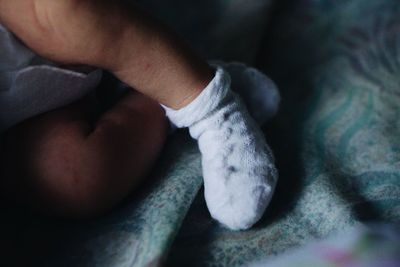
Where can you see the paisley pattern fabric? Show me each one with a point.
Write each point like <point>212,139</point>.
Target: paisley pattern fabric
<point>337,63</point>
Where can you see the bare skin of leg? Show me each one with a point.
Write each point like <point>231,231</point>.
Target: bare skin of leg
<point>71,168</point>
<point>111,35</point>
<point>62,164</point>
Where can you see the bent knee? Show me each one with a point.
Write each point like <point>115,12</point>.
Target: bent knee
<point>64,178</point>
<point>77,191</point>
<point>71,175</point>
<point>81,181</point>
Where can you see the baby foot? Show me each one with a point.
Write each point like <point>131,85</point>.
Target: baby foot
<point>238,166</point>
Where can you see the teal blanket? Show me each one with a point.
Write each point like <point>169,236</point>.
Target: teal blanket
<point>337,64</point>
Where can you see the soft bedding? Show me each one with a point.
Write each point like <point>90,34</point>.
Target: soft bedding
<point>337,64</point>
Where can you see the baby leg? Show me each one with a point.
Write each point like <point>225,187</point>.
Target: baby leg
<point>238,166</point>
<point>62,164</point>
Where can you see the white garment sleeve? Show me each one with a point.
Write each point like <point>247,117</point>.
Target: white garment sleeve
<point>30,85</point>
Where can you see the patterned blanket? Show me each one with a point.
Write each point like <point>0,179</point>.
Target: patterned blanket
<point>337,64</point>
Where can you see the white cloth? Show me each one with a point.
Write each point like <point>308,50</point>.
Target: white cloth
<point>30,85</point>
<point>258,92</point>
<point>238,166</point>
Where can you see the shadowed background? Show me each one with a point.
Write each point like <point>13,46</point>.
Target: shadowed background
<point>337,64</point>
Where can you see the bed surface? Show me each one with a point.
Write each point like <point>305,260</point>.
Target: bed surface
<point>336,141</point>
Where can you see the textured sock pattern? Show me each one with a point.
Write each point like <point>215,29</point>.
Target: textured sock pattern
<point>258,91</point>
<point>238,166</point>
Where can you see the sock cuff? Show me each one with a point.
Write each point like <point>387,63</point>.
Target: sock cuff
<point>206,102</point>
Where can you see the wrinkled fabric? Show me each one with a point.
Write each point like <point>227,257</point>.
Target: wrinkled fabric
<point>31,85</point>
<point>239,173</point>
<point>335,140</point>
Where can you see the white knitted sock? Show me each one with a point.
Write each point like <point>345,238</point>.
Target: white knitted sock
<point>258,92</point>
<point>238,166</point>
